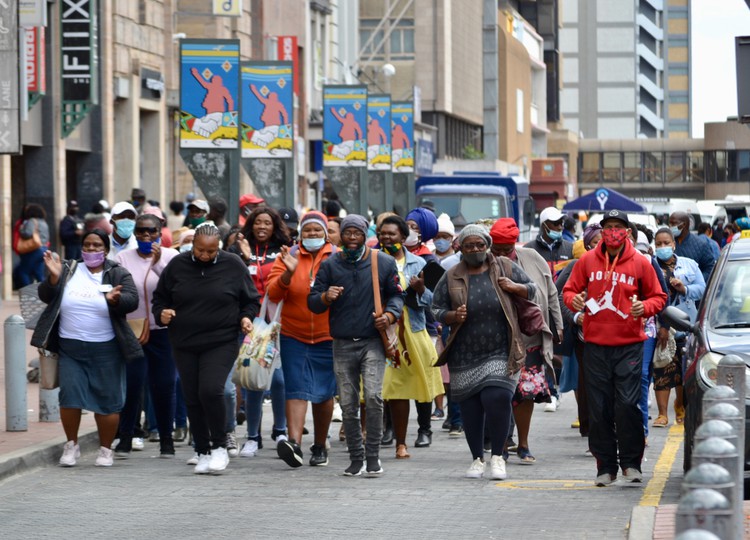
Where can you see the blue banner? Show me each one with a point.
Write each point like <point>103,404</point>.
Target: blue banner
<point>378,132</point>
<point>344,126</point>
<point>402,136</point>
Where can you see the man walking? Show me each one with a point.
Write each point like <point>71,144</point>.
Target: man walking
<point>344,284</point>
<point>614,288</point>
<point>689,245</point>
<point>71,231</point>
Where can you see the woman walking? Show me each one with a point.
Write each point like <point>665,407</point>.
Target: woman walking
<point>31,265</point>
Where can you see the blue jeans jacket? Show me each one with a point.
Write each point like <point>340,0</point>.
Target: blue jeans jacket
<point>413,267</point>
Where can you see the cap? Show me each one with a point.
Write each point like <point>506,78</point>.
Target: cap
<point>249,198</point>
<point>445,225</point>
<point>72,204</point>
<point>122,206</point>
<point>616,214</point>
<point>154,210</point>
<point>550,214</point>
<point>289,215</point>
<point>200,204</point>
<point>641,243</point>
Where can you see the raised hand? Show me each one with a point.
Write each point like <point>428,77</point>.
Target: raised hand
<point>289,260</point>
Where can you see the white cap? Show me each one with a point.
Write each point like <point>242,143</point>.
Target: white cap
<point>200,204</point>
<point>445,225</point>
<point>550,214</point>
<point>122,206</point>
<point>641,243</point>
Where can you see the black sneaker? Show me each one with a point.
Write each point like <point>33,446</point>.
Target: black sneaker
<point>290,452</point>
<point>447,423</point>
<point>276,433</point>
<point>123,448</point>
<point>373,466</point>
<point>319,456</point>
<point>355,469</point>
<point>166,448</point>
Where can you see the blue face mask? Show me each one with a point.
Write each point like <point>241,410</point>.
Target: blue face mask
<point>313,244</point>
<point>554,235</point>
<point>676,231</point>
<point>146,247</point>
<point>664,253</point>
<point>442,245</point>
<point>186,247</point>
<point>125,227</point>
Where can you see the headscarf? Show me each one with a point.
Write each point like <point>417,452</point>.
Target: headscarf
<point>504,231</point>
<point>428,223</point>
<point>743,223</point>
<point>475,230</point>
<point>578,249</point>
<point>590,232</point>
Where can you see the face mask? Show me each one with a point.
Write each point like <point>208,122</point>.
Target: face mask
<point>136,204</point>
<point>313,244</point>
<point>146,247</point>
<point>194,222</point>
<point>442,245</point>
<point>664,253</point>
<point>676,231</point>
<point>475,259</point>
<point>413,239</point>
<point>554,235</point>
<point>614,238</point>
<point>186,247</point>
<point>353,256</point>
<point>125,227</point>
<point>93,259</point>
<point>392,250</point>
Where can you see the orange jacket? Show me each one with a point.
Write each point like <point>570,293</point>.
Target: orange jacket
<point>297,321</point>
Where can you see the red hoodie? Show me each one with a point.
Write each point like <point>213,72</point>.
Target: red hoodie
<point>632,275</point>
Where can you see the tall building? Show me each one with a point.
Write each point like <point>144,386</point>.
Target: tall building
<point>626,68</point>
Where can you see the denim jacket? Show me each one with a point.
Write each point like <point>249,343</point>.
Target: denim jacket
<point>688,271</point>
<point>412,267</point>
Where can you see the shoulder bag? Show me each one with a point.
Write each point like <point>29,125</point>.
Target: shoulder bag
<point>530,316</point>
<point>140,327</point>
<point>27,245</point>
<point>259,354</point>
<point>388,336</point>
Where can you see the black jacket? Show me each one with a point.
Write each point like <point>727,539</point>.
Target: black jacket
<point>561,250</point>
<point>350,315</point>
<point>46,333</point>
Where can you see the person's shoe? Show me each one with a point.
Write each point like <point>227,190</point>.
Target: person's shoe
<point>232,448</point>
<point>525,455</point>
<point>137,444</point>
<point>552,405</point>
<point>249,449</point>
<point>497,468</point>
<point>193,460</point>
<point>456,431</point>
<point>373,466</point>
<point>179,434</point>
<point>219,460</point>
<point>290,452</point>
<point>355,468</point>
<point>277,435</point>
<point>510,445</point>
<point>105,457</point>
<point>154,436</point>
<point>439,414</point>
<point>319,457</point>
<point>201,466</point>
<point>387,438</point>
<point>605,479</point>
<point>402,452</point>
<point>123,448</point>
<point>337,414</point>
<point>71,453</point>
<point>447,423</point>
<point>166,448</point>
<point>588,453</point>
<point>424,439</point>
<point>575,424</point>
<point>476,469</point>
<point>633,475</point>
<point>240,417</point>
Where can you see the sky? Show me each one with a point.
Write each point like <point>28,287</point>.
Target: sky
<point>715,23</point>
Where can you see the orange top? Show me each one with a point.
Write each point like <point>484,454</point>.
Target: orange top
<point>297,321</point>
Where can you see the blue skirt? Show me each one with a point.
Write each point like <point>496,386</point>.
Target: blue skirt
<point>308,370</point>
<point>92,376</point>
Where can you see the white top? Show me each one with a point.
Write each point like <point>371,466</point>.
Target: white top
<point>83,313</point>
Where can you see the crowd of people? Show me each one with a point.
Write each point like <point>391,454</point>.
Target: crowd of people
<point>147,314</point>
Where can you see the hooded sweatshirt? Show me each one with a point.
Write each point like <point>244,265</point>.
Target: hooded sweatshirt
<point>609,298</point>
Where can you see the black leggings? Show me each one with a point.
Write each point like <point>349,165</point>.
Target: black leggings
<point>203,374</point>
<point>495,403</point>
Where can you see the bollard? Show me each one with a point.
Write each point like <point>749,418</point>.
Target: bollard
<point>732,372</point>
<point>709,476</point>
<point>723,453</point>
<point>16,407</point>
<point>715,428</point>
<point>729,414</point>
<point>720,394</point>
<point>696,534</point>
<point>49,405</point>
<point>707,510</point>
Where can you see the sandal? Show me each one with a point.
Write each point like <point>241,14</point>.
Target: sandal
<point>679,420</point>
<point>661,421</point>
<point>401,452</point>
<point>525,456</point>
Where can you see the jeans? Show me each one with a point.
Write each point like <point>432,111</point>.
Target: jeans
<point>494,403</point>
<point>254,406</point>
<point>230,402</point>
<point>648,355</point>
<point>31,267</point>
<point>352,360</point>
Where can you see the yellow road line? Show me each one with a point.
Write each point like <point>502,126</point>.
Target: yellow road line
<point>655,488</point>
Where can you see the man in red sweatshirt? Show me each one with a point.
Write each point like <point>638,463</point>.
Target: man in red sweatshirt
<point>615,289</point>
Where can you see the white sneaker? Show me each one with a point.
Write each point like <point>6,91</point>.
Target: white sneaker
<point>476,470</point>
<point>137,444</point>
<point>497,468</point>
<point>202,467</point>
<point>249,449</point>
<point>219,460</point>
<point>71,452</point>
<point>281,437</point>
<point>105,458</point>
<point>551,406</point>
<point>337,414</point>
<point>193,460</point>
<point>232,449</point>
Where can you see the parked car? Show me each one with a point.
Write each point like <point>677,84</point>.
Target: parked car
<point>722,328</point>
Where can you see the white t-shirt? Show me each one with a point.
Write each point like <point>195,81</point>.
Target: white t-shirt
<point>83,313</point>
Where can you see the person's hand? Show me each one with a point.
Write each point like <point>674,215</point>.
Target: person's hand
<point>289,260</point>
<point>662,336</point>
<point>579,319</point>
<point>113,296</point>
<point>333,293</point>
<point>678,285</point>
<point>167,315</point>
<point>417,283</point>
<point>244,246</point>
<point>461,313</point>
<point>382,322</point>
<point>509,286</point>
<point>245,324</point>
<point>53,264</point>
<point>579,301</point>
<point>559,336</point>
<point>638,309</point>
<point>156,250</point>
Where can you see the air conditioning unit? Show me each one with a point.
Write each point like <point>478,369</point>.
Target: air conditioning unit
<point>121,88</point>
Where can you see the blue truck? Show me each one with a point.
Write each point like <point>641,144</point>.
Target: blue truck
<point>471,196</point>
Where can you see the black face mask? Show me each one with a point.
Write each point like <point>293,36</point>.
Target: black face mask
<point>475,259</point>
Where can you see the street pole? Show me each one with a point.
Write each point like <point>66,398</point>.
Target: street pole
<point>16,415</point>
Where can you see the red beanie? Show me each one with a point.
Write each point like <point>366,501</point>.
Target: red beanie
<point>504,231</point>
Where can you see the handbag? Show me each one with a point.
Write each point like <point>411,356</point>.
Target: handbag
<point>664,355</point>
<point>140,327</point>
<point>48,374</point>
<point>528,312</point>
<point>27,245</point>
<point>388,336</point>
<point>259,352</point>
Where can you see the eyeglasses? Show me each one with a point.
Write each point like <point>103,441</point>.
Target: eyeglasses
<point>144,230</point>
<point>474,247</point>
<point>352,234</point>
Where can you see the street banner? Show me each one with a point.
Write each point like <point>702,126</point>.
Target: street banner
<point>344,124</point>
<point>10,132</point>
<point>209,93</point>
<point>378,132</point>
<point>402,136</point>
<point>35,65</point>
<point>267,110</point>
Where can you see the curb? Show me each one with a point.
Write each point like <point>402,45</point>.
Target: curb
<point>642,520</point>
<point>43,454</point>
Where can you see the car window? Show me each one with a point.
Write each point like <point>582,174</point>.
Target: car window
<point>731,302</point>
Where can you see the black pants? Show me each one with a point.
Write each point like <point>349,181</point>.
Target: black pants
<point>203,374</point>
<point>424,416</point>
<point>495,403</point>
<point>613,385</point>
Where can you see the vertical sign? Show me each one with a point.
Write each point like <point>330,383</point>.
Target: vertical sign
<point>209,88</point>
<point>77,48</point>
<point>402,137</point>
<point>378,132</point>
<point>288,52</point>
<point>344,123</point>
<point>10,132</point>
<point>267,107</point>
<point>35,65</point>
<point>228,8</point>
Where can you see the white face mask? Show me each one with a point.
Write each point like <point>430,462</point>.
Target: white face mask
<point>413,239</point>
